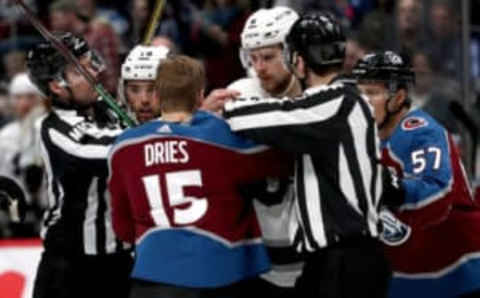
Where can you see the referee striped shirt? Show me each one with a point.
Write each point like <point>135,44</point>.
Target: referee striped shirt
<point>77,220</point>
<point>332,133</point>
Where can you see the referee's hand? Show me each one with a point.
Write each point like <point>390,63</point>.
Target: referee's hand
<point>12,199</point>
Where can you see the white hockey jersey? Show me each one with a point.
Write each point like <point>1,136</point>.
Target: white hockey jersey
<point>278,222</point>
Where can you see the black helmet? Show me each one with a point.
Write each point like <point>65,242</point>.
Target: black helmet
<point>45,63</point>
<point>318,37</point>
<point>388,67</point>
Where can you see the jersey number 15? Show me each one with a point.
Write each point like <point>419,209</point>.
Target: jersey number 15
<point>175,182</point>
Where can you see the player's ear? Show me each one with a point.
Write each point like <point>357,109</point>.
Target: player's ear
<point>57,87</point>
<point>400,97</point>
<point>200,97</point>
<point>298,66</point>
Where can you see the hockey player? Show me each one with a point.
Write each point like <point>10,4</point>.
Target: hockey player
<point>440,257</point>
<point>137,91</point>
<point>331,133</point>
<point>137,84</point>
<point>82,257</point>
<point>263,46</point>
<point>262,52</point>
<point>175,193</point>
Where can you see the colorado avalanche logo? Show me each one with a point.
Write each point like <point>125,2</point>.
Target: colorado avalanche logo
<point>394,232</point>
<point>412,123</point>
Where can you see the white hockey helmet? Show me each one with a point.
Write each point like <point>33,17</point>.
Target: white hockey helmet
<point>21,84</point>
<point>266,27</point>
<point>142,62</point>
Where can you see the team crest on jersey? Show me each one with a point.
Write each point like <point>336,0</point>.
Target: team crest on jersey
<point>394,232</point>
<point>412,123</point>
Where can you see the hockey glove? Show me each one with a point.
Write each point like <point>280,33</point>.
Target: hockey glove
<point>393,191</point>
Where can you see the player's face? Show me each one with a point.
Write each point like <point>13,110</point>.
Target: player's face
<point>83,93</point>
<point>141,97</point>
<point>24,103</point>
<point>269,66</point>
<point>377,95</point>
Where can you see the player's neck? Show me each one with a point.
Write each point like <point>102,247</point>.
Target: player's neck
<point>293,89</point>
<point>321,80</point>
<point>390,127</point>
<point>176,116</point>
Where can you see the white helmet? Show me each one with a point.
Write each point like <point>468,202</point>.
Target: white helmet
<point>141,64</point>
<point>21,84</point>
<point>266,27</point>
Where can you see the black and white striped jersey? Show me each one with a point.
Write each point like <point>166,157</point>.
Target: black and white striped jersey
<point>332,133</point>
<point>74,150</point>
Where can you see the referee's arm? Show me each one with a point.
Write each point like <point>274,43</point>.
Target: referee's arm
<point>292,125</point>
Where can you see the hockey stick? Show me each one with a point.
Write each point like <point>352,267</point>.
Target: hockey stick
<point>152,25</point>
<point>73,60</point>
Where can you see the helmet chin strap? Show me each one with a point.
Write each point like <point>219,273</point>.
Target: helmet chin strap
<point>291,83</point>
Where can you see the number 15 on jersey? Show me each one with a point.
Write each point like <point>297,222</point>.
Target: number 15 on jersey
<point>175,183</point>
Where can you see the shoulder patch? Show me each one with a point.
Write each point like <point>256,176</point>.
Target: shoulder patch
<point>412,123</point>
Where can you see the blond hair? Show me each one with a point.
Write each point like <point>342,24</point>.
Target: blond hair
<point>179,83</point>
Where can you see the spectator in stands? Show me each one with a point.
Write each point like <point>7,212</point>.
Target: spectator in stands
<point>140,14</point>
<point>408,28</point>
<point>14,63</point>
<point>443,44</point>
<point>445,40</point>
<point>20,158</point>
<point>354,51</point>
<point>432,99</point>
<point>217,34</point>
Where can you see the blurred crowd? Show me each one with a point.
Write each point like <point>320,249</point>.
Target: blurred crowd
<point>428,31</point>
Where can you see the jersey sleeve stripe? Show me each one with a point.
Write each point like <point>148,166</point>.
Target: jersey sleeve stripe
<point>318,113</point>
<point>78,149</point>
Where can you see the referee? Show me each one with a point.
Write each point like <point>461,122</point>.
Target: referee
<point>82,257</point>
<point>332,134</point>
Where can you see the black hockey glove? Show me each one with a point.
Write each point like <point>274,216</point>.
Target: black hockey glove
<point>393,192</point>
